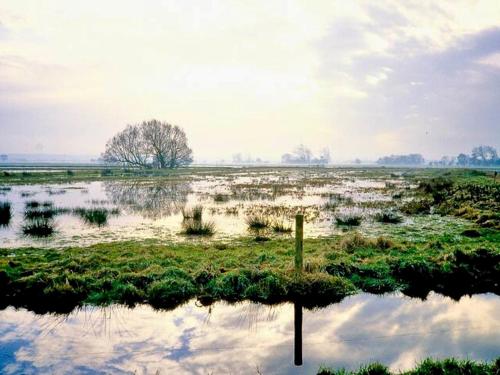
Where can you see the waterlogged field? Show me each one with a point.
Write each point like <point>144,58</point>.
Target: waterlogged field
<point>192,271</point>
<point>236,203</point>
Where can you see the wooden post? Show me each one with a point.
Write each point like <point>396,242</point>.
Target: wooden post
<point>299,242</point>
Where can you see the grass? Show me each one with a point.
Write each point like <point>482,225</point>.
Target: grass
<point>194,227</point>
<point>195,213</point>
<point>281,227</point>
<point>38,227</point>
<point>93,216</point>
<point>164,274</point>
<point>35,210</point>
<point>257,221</point>
<point>455,261</point>
<point>221,198</point>
<point>448,366</point>
<point>348,219</point>
<point>388,217</point>
<point>5,214</point>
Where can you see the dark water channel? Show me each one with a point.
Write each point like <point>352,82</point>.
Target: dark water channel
<point>249,338</point>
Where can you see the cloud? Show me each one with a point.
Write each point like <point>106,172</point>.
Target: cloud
<point>418,98</point>
<point>326,74</point>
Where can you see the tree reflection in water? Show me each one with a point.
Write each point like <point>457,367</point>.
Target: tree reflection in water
<point>150,199</point>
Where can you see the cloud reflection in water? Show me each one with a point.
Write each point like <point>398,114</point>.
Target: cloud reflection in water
<point>244,337</point>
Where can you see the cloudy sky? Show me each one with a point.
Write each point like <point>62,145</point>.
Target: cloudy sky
<point>363,78</point>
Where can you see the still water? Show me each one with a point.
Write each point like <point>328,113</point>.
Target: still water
<point>152,209</point>
<point>249,338</point>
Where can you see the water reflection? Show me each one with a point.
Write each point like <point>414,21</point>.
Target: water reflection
<point>151,199</point>
<point>297,324</point>
<point>246,337</point>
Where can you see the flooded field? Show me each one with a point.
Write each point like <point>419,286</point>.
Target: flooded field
<point>215,247</point>
<point>84,213</point>
<point>249,338</point>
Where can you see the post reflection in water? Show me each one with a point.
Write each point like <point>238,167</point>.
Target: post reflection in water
<point>297,307</point>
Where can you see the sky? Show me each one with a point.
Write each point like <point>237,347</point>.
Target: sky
<point>363,78</point>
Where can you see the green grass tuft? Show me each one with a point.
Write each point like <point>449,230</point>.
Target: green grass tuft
<point>257,221</point>
<point>39,227</point>
<point>5,213</point>
<point>93,216</point>
<point>348,219</point>
<point>198,228</point>
<point>388,217</point>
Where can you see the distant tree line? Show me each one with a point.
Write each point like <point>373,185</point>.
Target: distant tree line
<point>239,158</point>
<point>150,144</point>
<point>486,156</point>
<point>303,155</point>
<point>410,159</point>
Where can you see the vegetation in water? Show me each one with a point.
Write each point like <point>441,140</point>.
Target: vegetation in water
<point>257,221</point>
<point>388,217</point>
<point>39,227</point>
<point>5,213</point>
<point>194,213</point>
<point>195,227</point>
<point>348,219</point>
<point>93,216</point>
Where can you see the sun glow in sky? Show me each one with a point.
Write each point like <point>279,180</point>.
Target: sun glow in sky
<point>363,78</point>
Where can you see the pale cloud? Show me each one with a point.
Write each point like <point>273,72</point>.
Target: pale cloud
<point>248,74</point>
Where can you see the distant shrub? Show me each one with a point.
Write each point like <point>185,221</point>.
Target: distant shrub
<point>69,172</point>
<point>106,172</point>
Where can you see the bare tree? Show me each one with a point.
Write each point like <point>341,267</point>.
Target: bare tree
<point>150,144</point>
<point>127,147</point>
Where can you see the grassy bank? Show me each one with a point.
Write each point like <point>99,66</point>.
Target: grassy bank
<point>166,275</point>
<point>448,366</point>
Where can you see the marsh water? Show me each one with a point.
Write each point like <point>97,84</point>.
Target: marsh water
<point>152,208</point>
<point>249,338</point>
